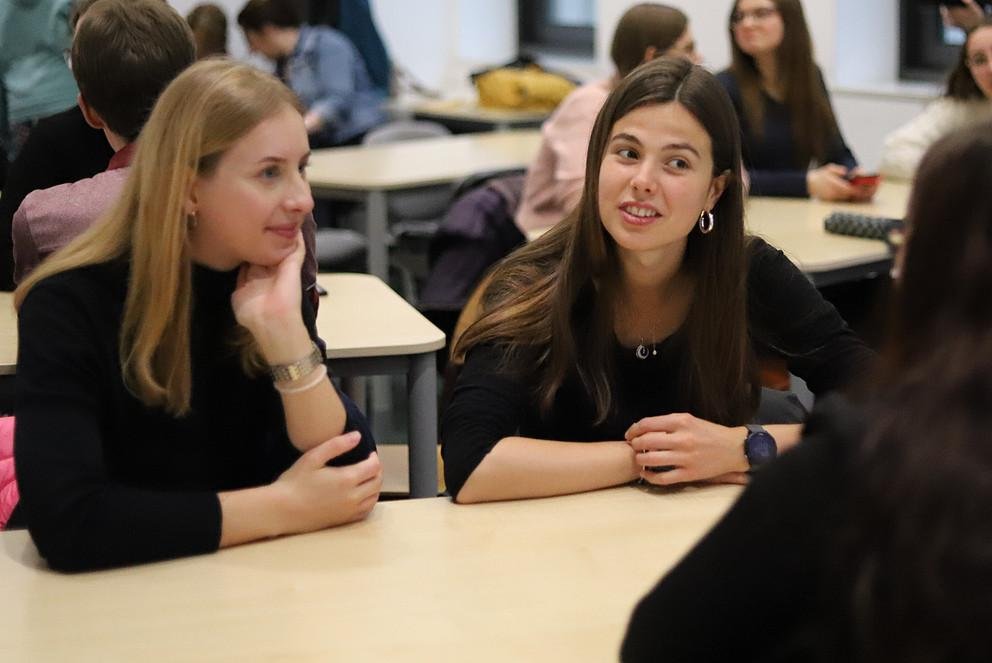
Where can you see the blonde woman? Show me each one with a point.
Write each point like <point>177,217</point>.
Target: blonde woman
<point>171,393</point>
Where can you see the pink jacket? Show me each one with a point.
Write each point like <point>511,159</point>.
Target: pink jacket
<point>554,180</point>
<point>8,483</point>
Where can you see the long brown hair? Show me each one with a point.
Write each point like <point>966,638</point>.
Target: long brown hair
<point>919,553</point>
<point>550,305</point>
<point>813,122</point>
<point>202,113</point>
<point>960,83</point>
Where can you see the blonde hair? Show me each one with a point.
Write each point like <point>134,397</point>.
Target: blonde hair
<point>200,115</point>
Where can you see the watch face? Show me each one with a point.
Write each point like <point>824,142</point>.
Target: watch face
<point>760,448</point>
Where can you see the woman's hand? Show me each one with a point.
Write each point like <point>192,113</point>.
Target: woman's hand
<point>828,183</point>
<point>315,496</point>
<point>694,449</point>
<point>313,122</point>
<point>267,302</point>
<point>965,17</point>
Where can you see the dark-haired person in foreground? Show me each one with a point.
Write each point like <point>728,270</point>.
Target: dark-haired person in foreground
<point>623,343</point>
<point>871,541</point>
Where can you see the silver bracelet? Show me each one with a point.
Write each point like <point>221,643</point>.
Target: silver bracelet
<point>298,369</point>
<point>320,374</point>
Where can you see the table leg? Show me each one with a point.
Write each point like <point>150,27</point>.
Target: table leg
<point>376,214</point>
<point>421,388</point>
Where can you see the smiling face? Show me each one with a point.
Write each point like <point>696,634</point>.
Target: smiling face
<point>655,179</point>
<point>757,27</point>
<point>980,59</point>
<point>251,206</point>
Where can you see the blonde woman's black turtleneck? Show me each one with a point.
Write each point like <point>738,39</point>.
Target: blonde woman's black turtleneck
<point>106,480</point>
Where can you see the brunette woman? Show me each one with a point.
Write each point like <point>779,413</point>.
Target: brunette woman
<point>871,541</point>
<point>967,100</point>
<point>792,144</point>
<point>635,322</point>
<point>172,397</point>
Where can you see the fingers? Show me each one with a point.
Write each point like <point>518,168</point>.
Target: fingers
<point>836,169</point>
<point>332,448</point>
<point>665,423</point>
<point>660,459</point>
<point>668,477</point>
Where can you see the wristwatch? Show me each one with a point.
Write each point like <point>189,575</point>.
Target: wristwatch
<point>298,369</point>
<point>759,446</point>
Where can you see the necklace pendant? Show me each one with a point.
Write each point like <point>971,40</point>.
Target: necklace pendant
<point>641,352</point>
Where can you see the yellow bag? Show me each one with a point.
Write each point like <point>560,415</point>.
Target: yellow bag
<point>530,88</point>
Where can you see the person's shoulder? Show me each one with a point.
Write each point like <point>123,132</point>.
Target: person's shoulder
<point>727,78</point>
<point>326,37</point>
<point>95,284</point>
<point>71,203</point>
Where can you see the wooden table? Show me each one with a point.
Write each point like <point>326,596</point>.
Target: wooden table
<point>368,330</point>
<point>795,225</point>
<point>421,580</point>
<point>368,173</point>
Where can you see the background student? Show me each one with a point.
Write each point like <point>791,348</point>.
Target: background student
<point>60,148</point>
<point>968,99</point>
<point>172,397</point>
<point>124,53</point>
<point>792,144</point>
<point>635,322</point>
<point>209,25</point>
<point>321,66</point>
<point>871,541</point>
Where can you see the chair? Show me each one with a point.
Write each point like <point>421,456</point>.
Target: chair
<point>414,216</point>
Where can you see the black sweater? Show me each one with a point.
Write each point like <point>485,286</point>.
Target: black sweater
<point>105,480</point>
<point>758,587</point>
<point>788,318</point>
<point>770,157</point>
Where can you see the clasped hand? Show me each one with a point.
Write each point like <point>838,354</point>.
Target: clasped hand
<point>689,448</point>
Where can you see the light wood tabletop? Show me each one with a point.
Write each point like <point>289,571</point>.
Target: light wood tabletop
<point>414,163</point>
<point>423,580</point>
<point>361,316</point>
<point>795,225</point>
<point>8,334</point>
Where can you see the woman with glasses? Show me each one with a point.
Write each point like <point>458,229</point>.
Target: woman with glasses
<point>792,144</point>
<point>967,100</point>
<point>870,541</point>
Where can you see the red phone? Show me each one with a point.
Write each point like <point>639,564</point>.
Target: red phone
<point>864,179</point>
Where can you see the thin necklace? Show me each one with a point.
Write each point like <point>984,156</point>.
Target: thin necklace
<point>641,351</point>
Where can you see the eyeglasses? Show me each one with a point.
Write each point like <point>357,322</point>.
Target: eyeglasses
<point>978,60</point>
<point>759,14</point>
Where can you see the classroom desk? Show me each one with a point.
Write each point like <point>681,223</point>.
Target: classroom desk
<point>461,115</point>
<point>368,330</point>
<point>795,225</point>
<point>8,334</point>
<point>368,173</point>
<point>420,580</point>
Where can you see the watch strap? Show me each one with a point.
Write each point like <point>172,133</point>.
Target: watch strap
<point>297,369</point>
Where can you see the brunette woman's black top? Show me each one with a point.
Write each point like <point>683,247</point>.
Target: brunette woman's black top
<point>770,155</point>
<point>763,584</point>
<point>788,318</point>
<point>106,480</point>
